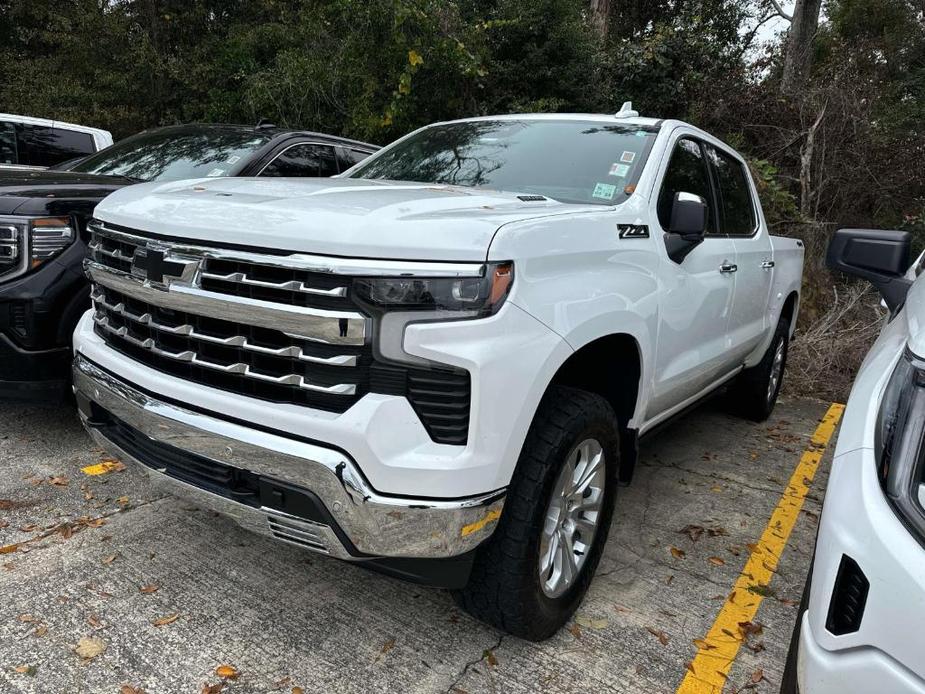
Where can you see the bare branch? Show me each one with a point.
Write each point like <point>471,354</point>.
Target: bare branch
<point>780,11</point>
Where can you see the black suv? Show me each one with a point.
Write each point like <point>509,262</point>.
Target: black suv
<point>43,216</point>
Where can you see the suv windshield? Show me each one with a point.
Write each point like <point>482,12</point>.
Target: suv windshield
<point>172,154</point>
<point>567,160</point>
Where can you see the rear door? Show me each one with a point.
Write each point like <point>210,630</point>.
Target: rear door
<point>740,222</point>
<point>697,293</point>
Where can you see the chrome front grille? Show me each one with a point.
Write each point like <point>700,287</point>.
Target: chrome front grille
<point>250,360</point>
<point>256,328</point>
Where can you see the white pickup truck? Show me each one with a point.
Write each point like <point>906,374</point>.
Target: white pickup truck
<point>437,364</point>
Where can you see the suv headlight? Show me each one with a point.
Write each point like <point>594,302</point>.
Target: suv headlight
<point>27,242</point>
<point>396,302</point>
<point>899,442</point>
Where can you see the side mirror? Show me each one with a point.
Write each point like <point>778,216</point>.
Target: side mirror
<point>879,256</point>
<point>687,226</point>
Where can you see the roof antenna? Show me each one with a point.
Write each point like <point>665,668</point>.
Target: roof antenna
<point>626,111</point>
<point>264,124</point>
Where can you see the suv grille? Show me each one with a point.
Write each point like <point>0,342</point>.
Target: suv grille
<point>255,326</point>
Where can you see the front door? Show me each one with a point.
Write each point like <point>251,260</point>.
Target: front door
<point>697,293</point>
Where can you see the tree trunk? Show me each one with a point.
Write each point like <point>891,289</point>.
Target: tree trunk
<point>799,45</point>
<point>600,12</point>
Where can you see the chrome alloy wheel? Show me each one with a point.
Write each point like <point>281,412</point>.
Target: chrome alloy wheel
<point>572,517</point>
<point>777,368</point>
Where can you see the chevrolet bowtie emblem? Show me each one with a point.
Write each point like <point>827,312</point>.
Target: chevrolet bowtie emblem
<point>155,266</point>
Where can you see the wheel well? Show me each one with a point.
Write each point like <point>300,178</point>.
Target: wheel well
<point>611,367</point>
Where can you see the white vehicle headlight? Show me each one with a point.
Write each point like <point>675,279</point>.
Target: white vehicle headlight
<point>27,242</point>
<point>396,302</point>
<point>899,442</point>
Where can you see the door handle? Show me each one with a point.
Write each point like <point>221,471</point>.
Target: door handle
<point>728,267</point>
<point>767,264</point>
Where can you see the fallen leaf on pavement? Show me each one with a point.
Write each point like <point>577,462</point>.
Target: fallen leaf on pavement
<point>298,690</point>
<point>58,480</point>
<point>94,621</point>
<point>692,531</point>
<point>26,618</point>
<point>103,467</point>
<point>591,622</point>
<point>129,689</point>
<point>387,646</point>
<point>40,630</point>
<point>212,688</point>
<point>575,630</point>
<point>9,504</point>
<point>89,647</point>
<point>757,676</point>
<point>169,619</point>
<point>227,672</point>
<point>660,635</point>
<point>148,589</point>
<point>25,670</point>
<point>677,553</point>
<point>8,549</point>
<point>716,561</point>
<point>110,559</point>
<point>704,645</point>
<point>490,658</point>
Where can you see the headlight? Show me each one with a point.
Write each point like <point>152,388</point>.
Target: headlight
<point>899,442</point>
<point>470,297</point>
<point>396,302</point>
<point>27,242</point>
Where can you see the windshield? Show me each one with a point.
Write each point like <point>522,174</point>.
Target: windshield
<point>172,154</point>
<point>570,161</point>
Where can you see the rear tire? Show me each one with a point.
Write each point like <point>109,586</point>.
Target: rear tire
<point>754,392</point>
<point>558,491</point>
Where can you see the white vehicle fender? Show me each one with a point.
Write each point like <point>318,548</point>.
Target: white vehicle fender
<point>577,276</point>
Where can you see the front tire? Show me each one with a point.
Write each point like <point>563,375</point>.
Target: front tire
<point>531,574</point>
<point>754,393</point>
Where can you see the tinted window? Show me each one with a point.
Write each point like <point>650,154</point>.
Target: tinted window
<point>687,173</point>
<point>70,143</point>
<point>172,154</point>
<point>349,157</point>
<point>567,160</point>
<point>738,216</point>
<point>8,150</point>
<point>303,160</point>
<point>37,146</point>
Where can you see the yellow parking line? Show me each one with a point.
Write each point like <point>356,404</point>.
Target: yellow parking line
<point>707,672</point>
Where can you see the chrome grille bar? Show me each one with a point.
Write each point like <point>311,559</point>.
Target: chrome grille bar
<point>291,285</point>
<point>293,351</point>
<point>318,325</point>
<point>236,368</point>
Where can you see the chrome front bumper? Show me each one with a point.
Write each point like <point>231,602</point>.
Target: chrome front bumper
<point>376,525</point>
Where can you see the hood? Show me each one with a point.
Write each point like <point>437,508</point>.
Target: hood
<point>332,216</point>
<point>28,192</point>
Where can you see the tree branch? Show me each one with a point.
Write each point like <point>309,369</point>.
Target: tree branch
<point>780,11</point>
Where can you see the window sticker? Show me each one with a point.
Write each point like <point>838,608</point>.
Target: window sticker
<point>627,157</point>
<point>604,191</point>
<point>234,159</point>
<point>640,133</point>
<point>215,172</point>
<point>620,170</point>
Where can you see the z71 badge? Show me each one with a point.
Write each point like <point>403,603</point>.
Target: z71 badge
<point>633,231</point>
